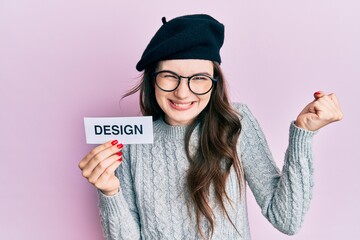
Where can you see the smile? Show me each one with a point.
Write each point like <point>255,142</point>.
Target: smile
<point>181,106</point>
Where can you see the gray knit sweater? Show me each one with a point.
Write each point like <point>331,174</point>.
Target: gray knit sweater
<point>151,202</point>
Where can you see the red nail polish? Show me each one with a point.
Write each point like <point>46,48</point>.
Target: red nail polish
<point>119,154</point>
<point>114,142</point>
<point>120,146</point>
<point>120,159</point>
<point>317,93</point>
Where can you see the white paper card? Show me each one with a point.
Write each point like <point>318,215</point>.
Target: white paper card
<point>127,130</point>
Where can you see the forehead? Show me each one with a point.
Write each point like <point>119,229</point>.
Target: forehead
<point>186,66</point>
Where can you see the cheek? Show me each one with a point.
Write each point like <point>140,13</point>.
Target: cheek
<point>205,99</point>
<point>160,97</point>
<point>157,94</point>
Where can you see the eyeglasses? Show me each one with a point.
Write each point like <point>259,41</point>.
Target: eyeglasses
<point>199,84</point>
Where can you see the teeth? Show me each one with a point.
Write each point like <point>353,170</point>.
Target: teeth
<point>182,104</point>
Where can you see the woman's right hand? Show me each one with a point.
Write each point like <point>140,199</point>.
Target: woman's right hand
<point>99,166</point>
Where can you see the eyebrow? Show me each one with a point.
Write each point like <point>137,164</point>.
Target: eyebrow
<point>203,73</point>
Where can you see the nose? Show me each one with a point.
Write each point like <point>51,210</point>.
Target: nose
<point>182,91</point>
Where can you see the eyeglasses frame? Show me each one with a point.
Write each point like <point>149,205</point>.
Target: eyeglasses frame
<point>179,77</point>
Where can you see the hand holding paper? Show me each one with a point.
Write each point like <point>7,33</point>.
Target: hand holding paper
<point>99,166</point>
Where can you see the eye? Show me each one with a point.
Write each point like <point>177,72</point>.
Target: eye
<point>168,75</point>
<point>200,77</point>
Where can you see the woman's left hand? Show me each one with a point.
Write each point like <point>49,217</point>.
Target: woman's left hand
<point>323,110</point>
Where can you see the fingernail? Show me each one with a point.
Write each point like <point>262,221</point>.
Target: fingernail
<point>120,159</point>
<point>119,154</point>
<point>114,142</point>
<point>317,93</point>
<point>120,146</point>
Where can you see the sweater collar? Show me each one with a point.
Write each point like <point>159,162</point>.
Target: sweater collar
<point>164,129</point>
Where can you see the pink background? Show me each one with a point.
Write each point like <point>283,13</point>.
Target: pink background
<point>63,60</point>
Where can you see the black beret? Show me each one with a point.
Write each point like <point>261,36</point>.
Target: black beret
<point>197,36</point>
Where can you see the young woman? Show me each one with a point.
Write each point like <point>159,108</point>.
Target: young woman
<point>190,184</point>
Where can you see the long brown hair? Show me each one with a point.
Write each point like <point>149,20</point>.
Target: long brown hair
<point>216,151</point>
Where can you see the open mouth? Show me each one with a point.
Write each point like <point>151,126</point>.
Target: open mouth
<point>181,106</point>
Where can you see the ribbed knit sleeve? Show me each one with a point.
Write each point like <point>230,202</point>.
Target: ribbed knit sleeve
<point>119,214</point>
<point>284,196</point>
